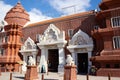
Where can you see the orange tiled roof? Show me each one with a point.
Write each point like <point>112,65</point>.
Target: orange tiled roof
<point>60,18</point>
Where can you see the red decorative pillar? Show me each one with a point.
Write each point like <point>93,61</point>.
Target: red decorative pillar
<point>31,73</point>
<point>16,18</point>
<point>70,72</point>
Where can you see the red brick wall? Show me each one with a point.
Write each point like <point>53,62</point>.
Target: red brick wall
<point>84,22</point>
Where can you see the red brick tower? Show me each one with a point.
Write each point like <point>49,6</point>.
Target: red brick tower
<point>107,37</point>
<point>16,19</point>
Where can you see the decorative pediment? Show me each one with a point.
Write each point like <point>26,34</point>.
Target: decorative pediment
<point>52,28</point>
<point>52,34</point>
<point>29,44</point>
<point>80,38</point>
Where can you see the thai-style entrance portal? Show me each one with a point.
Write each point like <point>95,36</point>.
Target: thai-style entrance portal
<point>52,43</point>
<point>81,46</point>
<point>53,60</point>
<point>82,63</point>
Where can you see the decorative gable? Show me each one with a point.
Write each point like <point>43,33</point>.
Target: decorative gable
<point>80,43</point>
<point>52,35</point>
<point>29,44</point>
<point>80,38</point>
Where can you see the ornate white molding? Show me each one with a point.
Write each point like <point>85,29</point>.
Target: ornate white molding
<point>52,36</point>
<point>28,50</point>
<point>80,38</point>
<point>80,42</point>
<point>29,46</point>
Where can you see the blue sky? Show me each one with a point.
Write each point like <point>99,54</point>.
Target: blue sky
<point>40,10</point>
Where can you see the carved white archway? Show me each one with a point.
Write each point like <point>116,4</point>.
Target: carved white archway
<point>81,43</point>
<point>52,38</point>
<point>28,49</point>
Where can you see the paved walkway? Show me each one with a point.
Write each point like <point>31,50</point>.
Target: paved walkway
<point>52,76</point>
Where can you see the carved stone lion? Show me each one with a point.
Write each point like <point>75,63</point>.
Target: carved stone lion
<point>31,61</point>
<point>69,60</point>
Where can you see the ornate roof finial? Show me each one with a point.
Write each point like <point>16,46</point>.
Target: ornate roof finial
<point>17,15</point>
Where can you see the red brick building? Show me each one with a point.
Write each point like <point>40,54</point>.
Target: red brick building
<point>107,38</point>
<point>92,38</point>
<point>71,25</point>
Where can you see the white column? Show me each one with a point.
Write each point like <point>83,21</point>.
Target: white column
<point>46,54</point>
<point>89,62</point>
<point>34,57</point>
<point>24,66</point>
<point>61,56</point>
<point>43,58</point>
<point>74,57</point>
<point>61,60</point>
<point>24,57</point>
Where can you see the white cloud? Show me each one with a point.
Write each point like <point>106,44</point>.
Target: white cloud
<point>4,8</point>
<point>70,6</point>
<point>35,14</point>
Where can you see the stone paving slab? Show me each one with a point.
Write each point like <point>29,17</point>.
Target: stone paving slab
<point>52,76</point>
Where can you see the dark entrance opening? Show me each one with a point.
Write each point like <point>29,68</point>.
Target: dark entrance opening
<point>53,60</point>
<point>82,63</point>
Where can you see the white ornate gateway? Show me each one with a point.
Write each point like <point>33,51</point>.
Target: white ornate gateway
<point>79,44</point>
<point>28,50</point>
<point>52,38</point>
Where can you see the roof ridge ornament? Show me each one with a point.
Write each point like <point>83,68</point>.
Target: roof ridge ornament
<point>17,15</point>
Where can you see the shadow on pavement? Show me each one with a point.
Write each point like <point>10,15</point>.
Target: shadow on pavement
<point>20,77</point>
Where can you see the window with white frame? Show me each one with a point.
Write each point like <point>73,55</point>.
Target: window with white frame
<point>115,21</point>
<point>70,33</point>
<point>116,42</point>
<point>37,37</point>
